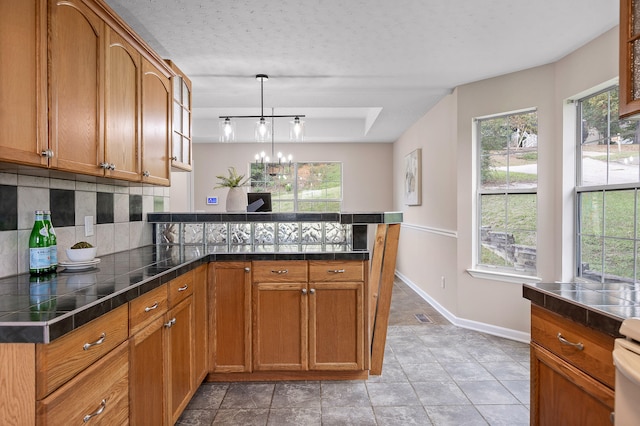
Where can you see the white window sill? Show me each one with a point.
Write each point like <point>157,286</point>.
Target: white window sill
<point>503,276</point>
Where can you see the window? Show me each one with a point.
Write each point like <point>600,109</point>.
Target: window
<point>607,196</point>
<point>507,192</point>
<point>300,187</point>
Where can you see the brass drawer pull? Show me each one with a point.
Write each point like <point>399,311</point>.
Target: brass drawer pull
<point>564,341</point>
<point>280,271</point>
<point>151,308</point>
<point>336,271</point>
<point>183,288</point>
<point>99,411</point>
<point>100,341</point>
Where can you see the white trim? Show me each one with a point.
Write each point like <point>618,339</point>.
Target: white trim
<point>465,323</point>
<point>503,276</point>
<point>444,232</point>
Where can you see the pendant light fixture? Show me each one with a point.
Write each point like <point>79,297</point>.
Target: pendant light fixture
<point>264,128</point>
<point>274,165</point>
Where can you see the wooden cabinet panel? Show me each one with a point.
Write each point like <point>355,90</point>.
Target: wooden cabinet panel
<point>181,138</point>
<point>23,88</point>
<point>156,124</point>
<point>596,357</point>
<point>280,315</point>
<point>230,330</point>
<point>280,271</point>
<point>332,270</point>
<point>200,325</point>
<point>180,358</point>
<point>180,288</point>
<point>146,308</point>
<point>629,49</point>
<point>563,394</point>
<point>60,360</point>
<point>336,326</point>
<point>122,105</point>
<point>98,396</point>
<point>148,376</point>
<point>76,74</point>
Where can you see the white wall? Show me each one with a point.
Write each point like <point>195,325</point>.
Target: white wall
<point>367,170</point>
<point>437,237</point>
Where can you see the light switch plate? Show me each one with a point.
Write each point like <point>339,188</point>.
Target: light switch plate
<point>88,226</point>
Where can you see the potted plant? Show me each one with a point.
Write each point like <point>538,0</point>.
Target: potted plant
<point>236,198</point>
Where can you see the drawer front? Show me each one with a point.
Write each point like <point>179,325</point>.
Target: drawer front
<point>144,309</point>
<point>565,338</point>
<point>333,271</point>
<point>62,359</point>
<point>101,392</point>
<point>280,271</point>
<point>180,288</point>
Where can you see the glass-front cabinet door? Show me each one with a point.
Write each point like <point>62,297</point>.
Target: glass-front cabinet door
<point>181,134</point>
<point>629,57</point>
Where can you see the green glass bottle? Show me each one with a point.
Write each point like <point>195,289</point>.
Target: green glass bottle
<point>39,255</point>
<point>53,242</point>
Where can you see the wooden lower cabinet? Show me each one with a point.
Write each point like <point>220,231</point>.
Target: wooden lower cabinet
<point>200,325</point>
<point>572,372</point>
<point>97,396</point>
<point>180,357</point>
<point>230,317</point>
<point>309,325</point>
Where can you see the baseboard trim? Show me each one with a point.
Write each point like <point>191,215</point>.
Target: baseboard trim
<point>465,323</point>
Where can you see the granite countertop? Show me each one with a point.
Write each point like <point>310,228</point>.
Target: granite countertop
<point>602,307</point>
<point>39,310</point>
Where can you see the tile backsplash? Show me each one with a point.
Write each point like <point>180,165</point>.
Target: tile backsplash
<point>119,214</point>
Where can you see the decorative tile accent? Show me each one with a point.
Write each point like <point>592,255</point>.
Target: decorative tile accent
<point>63,207</point>
<point>264,233</point>
<point>192,233</point>
<point>8,208</point>
<point>311,232</point>
<point>239,233</point>
<point>335,233</point>
<point>104,207</point>
<point>288,233</point>
<point>135,208</point>
<point>216,234</point>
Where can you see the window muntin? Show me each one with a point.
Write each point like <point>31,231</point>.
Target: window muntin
<point>507,192</point>
<point>608,180</point>
<point>301,187</point>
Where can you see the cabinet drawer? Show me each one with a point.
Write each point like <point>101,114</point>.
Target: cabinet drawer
<point>332,271</point>
<point>180,288</point>
<point>280,271</point>
<point>62,359</point>
<point>101,390</point>
<point>144,309</point>
<point>595,358</point>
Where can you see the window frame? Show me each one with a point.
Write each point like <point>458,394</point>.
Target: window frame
<point>481,270</point>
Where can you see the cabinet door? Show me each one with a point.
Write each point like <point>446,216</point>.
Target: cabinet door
<point>280,315</point>
<point>563,394</point>
<point>181,121</point>
<point>230,332</point>
<point>122,103</point>
<point>23,86</point>
<point>156,104</point>
<point>200,317</point>
<point>336,326</point>
<point>76,48</point>
<point>179,322</point>
<point>147,375</point>
<point>629,49</point>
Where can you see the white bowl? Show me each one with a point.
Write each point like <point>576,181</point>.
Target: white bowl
<point>82,255</point>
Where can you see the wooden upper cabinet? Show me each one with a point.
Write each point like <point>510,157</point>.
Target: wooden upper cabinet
<point>76,48</point>
<point>629,58</point>
<point>23,91</point>
<point>156,123</point>
<point>122,106</point>
<point>181,137</point>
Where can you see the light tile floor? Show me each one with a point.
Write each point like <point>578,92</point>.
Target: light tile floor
<point>434,373</point>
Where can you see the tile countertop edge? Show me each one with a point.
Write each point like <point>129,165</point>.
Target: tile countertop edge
<point>586,315</point>
<point>47,331</point>
<point>352,218</point>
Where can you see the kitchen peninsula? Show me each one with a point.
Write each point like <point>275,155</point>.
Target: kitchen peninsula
<point>134,337</point>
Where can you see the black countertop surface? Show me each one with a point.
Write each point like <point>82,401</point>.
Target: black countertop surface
<point>39,310</point>
<point>602,307</point>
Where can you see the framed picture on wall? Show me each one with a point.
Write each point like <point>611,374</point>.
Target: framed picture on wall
<point>413,178</point>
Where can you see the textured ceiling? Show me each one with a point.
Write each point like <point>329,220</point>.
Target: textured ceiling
<point>361,70</point>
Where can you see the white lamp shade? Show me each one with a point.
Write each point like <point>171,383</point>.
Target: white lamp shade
<point>263,130</point>
<point>296,130</point>
<point>227,130</point>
